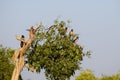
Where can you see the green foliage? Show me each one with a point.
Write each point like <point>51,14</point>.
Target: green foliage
<point>54,51</point>
<point>113,77</point>
<point>88,75</point>
<point>6,66</point>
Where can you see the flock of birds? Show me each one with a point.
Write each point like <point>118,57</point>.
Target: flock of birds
<point>63,31</point>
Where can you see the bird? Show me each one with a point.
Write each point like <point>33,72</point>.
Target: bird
<point>63,31</point>
<point>50,28</point>
<point>76,40</point>
<point>71,32</point>
<point>22,43</point>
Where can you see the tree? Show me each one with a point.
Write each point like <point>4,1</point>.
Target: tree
<point>55,51</point>
<point>86,75</point>
<point>50,49</point>
<point>6,66</point>
<point>113,77</point>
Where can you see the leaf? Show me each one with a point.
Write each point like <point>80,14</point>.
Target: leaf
<point>56,53</point>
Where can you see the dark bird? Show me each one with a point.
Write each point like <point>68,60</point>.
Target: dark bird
<point>22,39</point>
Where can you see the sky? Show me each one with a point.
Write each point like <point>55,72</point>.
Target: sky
<point>96,21</point>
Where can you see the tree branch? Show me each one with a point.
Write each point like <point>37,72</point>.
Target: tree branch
<point>19,57</point>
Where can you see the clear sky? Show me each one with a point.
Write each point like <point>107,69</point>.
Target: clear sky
<point>97,22</point>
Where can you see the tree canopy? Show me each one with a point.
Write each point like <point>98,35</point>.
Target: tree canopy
<point>89,75</point>
<point>56,51</point>
<point>6,65</point>
<point>86,75</point>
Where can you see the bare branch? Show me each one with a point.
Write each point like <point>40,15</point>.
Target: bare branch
<point>19,56</point>
<point>19,38</point>
<point>29,67</point>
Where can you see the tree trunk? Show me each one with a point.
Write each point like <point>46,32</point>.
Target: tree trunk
<point>19,57</point>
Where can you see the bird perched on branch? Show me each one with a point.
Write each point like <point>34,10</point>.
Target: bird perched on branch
<point>22,43</point>
<point>71,32</point>
<point>64,30</point>
<point>50,28</point>
<point>76,40</point>
<point>22,40</point>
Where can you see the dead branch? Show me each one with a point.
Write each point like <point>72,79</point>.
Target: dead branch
<point>19,56</point>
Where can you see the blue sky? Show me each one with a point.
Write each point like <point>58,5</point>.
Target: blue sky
<point>97,22</point>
